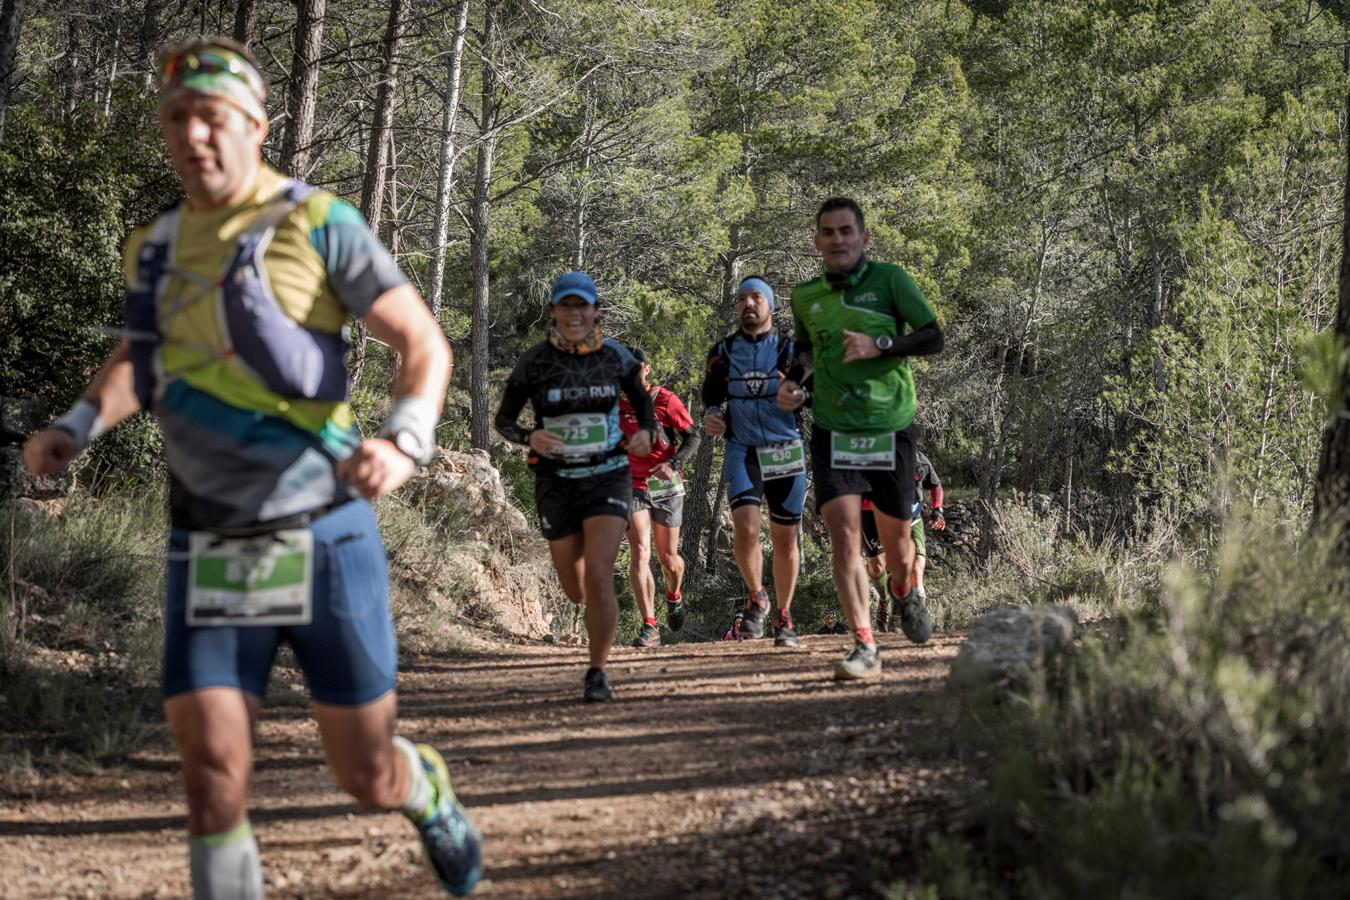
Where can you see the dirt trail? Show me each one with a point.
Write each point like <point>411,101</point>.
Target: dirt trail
<point>722,770</point>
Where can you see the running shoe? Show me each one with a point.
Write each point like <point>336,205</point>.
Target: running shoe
<point>451,844</point>
<point>883,617</point>
<point>675,613</point>
<point>913,615</point>
<point>784,634</point>
<point>752,622</point>
<point>649,636</point>
<point>597,688</point>
<point>862,663</point>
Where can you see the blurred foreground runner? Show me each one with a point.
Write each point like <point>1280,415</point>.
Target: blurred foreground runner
<point>235,308</point>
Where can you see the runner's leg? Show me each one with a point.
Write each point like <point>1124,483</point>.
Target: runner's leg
<point>667,541</point>
<point>570,565</point>
<point>843,518</point>
<point>786,563</point>
<point>212,728</point>
<point>359,743</point>
<point>601,535</point>
<point>640,564</point>
<point>898,545</point>
<point>749,559</point>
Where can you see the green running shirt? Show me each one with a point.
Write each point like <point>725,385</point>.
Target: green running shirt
<point>867,395</point>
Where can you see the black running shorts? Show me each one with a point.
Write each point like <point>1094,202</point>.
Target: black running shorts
<point>891,490</point>
<point>563,503</point>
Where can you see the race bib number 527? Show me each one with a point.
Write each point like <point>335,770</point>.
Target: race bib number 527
<point>863,451</point>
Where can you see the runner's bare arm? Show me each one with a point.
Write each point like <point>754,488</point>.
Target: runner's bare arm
<point>642,441</point>
<point>400,319</point>
<point>109,399</point>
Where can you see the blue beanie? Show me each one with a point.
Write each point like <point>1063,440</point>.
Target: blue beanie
<point>573,284</point>
<point>757,284</point>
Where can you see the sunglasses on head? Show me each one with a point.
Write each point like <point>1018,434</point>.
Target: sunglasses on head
<point>208,61</point>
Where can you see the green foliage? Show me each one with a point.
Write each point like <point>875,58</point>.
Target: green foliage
<point>1196,754</point>
<point>81,629</point>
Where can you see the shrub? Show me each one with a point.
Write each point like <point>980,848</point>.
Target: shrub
<point>1197,752</point>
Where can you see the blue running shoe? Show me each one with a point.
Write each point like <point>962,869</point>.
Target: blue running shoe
<point>451,845</point>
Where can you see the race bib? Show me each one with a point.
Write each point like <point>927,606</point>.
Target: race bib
<point>583,434</point>
<point>781,460</point>
<point>863,451</point>
<point>263,580</point>
<point>659,489</point>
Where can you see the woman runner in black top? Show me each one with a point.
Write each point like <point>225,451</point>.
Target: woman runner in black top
<point>581,482</point>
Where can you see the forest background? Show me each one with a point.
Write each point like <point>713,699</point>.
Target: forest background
<point>1127,214</point>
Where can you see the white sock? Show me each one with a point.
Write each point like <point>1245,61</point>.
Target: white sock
<point>226,866</point>
<point>420,792</point>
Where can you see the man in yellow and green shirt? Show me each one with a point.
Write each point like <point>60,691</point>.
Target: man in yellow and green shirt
<point>236,304</point>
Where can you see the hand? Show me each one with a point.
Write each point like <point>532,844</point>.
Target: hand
<point>859,346</point>
<point>376,467</point>
<point>49,451</point>
<point>714,424</point>
<point>790,395</point>
<point>639,443</point>
<point>939,521</point>
<point>663,472</point>
<point>545,443</point>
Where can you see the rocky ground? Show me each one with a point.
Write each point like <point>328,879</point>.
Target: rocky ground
<point>722,770</point>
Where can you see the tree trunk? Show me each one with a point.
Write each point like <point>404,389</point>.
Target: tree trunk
<point>696,508</point>
<point>377,154</point>
<point>697,512</point>
<point>996,449</point>
<point>445,182</point>
<point>304,88</point>
<point>72,64</point>
<point>579,199</point>
<point>481,228</point>
<point>715,531</point>
<point>1331,501</point>
<point>10,14</point>
<point>109,89</point>
<point>245,20</point>
<point>150,41</point>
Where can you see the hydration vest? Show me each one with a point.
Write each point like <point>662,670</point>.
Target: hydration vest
<point>292,361</point>
<point>752,392</point>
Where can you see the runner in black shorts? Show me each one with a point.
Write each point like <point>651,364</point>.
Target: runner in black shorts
<point>857,324</point>
<point>573,381</point>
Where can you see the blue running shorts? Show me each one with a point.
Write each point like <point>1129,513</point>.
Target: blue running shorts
<point>740,470</point>
<point>347,652</point>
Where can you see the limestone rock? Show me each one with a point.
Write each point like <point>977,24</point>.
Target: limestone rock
<point>1008,642</point>
<point>20,417</point>
<point>16,482</point>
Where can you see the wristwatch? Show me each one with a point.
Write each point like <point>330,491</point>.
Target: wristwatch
<point>410,445</point>
<point>884,342</point>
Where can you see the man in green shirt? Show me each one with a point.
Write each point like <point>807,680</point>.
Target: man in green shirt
<point>856,324</point>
